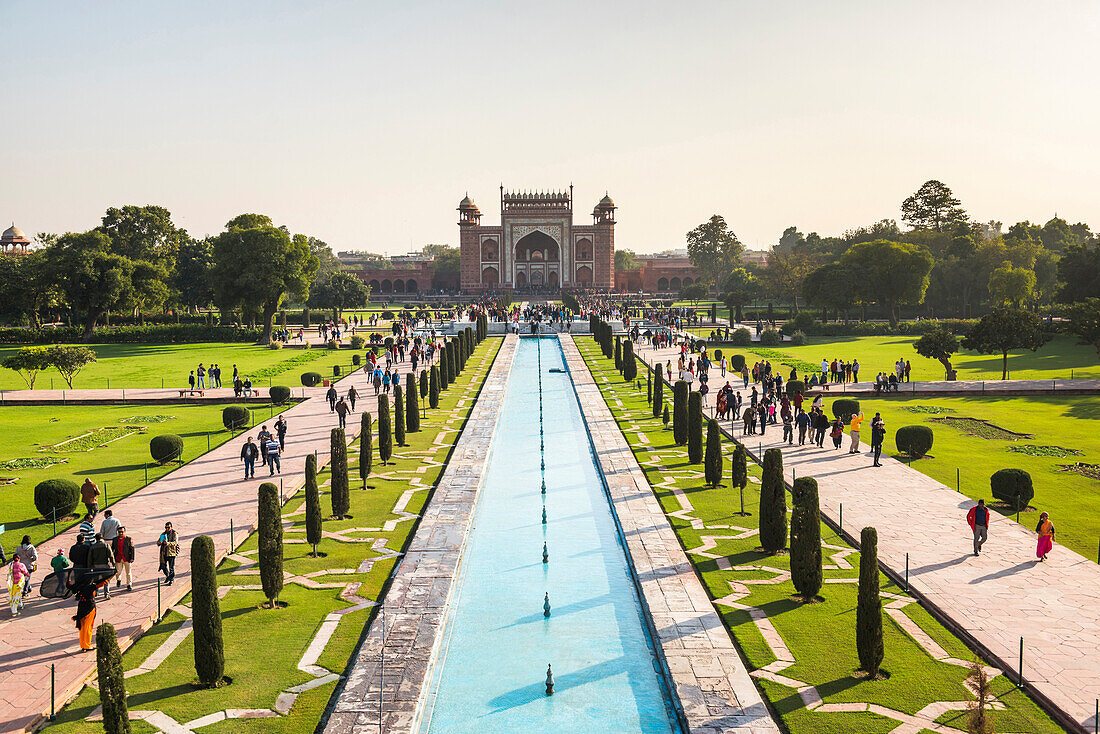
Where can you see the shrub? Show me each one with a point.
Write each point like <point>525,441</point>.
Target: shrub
<point>423,384</point>
<point>358,342</point>
<point>712,463</point>
<point>845,408</point>
<point>59,496</point>
<point>388,342</point>
<point>412,406</point>
<point>737,362</point>
<point>385,429</point>
<point>338,468</point>
<point>658,389</point>
<point>916,441</point>
<point>280,394</point>
<point>399,415</point>
<point>366,448</point>
<point>798,339</point>
<point>803,320</point>
<point>388,315</point>
<point>717,355</point>
<point>695,428</point>
<point>680,413</point>
<point>357,359</point>
<point>313,504</point>
<point>869,605</point>
<point>741,337</point>
<point>275,345</point>
<point>1012,486</point>
<point>806,570</point>
<point>794,387</point>
<point>739,471</point>
<point>664,416</point>
<point>335,370</point>
<point>206,616</point>
<point>433,388</point>
<point>235,417</point>
<point>310,379</point>
<point>165,447</point>
<point>112,684</point>
<point>630,365</point>
<point>618,354</point>
<point>773,503</point>
<point>269,527</point>
<point>770,338</point>
<point>305,346</point>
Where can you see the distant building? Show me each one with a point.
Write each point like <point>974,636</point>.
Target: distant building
<point>657,274</point>
<point>13,241</point>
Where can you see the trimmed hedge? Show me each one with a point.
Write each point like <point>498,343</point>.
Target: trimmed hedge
<point>1013,486</point>
<point>60,495</point>
<point>798,339</point>
<point>335,370</point>
<point>356,359</point>
<point>915,441</point>
<point>845,408</point>
<point>737,362</point>
<point>358,342</point>
<point>280,394</point>
<point>309,379</point>
<point>168,334</point>
<point>794,387</point>
<point>741,337</point>
<point>770,338</point>
<point>165,447</point>
<point>235,417</point>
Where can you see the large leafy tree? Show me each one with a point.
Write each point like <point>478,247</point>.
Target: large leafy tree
<point>739,288</point>
<point>1079,272</point>
<point>255,267</point>
<point>1011,286</point>
<point>27,287</point>
<point>1084,322</point>
<point>143,233</point>
<point>784,273</point>
<point>714,249</point>
<point>92,279</point>
<point>339,291</point>
<point>150,286</point>
<point>939,344</point>
<point>1057,235</point>
<point>933,206</point>
<point>626,260</point>
<point>831,286</point>
<point>192,274</point>
<point>1002,330</point>
<point>889,273</point>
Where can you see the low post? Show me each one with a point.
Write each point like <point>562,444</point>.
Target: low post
<point>1021,668</point>
<point>53,690</point>
<point>208,441</point>
<point>54,510</point>
<point>906,573</point>
<point>105,500</point>
<point>232,545</point>
<point>958,480</point>
<point>146,473</point>
<point>842,517</point>
<point>158,599</point>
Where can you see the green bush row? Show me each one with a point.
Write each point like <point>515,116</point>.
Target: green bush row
<point>167,334</point>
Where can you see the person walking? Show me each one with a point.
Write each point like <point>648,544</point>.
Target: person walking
<point>83,585</point>
<point>280,431</point>
<point>878,435</point>
<point>89,495</point>
<point>101,559</point>
<point>29,555</point>
<point>59,562</point>
<point>169,549</point>
<point>856,421</point>
<point>123,550</point>
<point>1045,531</point>
<point>249,452</point>
<point>978,518</point>
<point>331,395</point>
<point>18,578</point>
<point>352,395</point>
<point>342,411</point>
<point>802,420</point>
<point>109,527</point>
<point>78,553</point>
<point>264,437</point>
<point>273,463</point>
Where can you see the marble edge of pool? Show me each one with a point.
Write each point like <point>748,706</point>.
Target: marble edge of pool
<point>712,688</point>
<point>415,606</point>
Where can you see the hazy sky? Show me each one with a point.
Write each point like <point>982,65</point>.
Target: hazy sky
<point>364,123</point>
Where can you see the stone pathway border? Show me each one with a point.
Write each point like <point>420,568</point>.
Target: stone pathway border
<point>710,682</point>
<point>415,605</point>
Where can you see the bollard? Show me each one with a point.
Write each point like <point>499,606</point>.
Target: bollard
<point>232,545</point>
<point>54,520</point>
<point>544,514</point>
<point>958,480</point>
<point>53,689</point>
<point>549,681</point>
<point>105,500</point>
<point>906,573</point>
<point>545,554</point>
<point>208,440</point>
<point>146,473</point>
<point>158,600</point>
<point>108,383</point>
<point>842,517</point>
<point>1021,668</point>
<point>546,605</point>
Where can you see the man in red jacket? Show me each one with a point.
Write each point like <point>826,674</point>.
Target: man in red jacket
<point>123,548</point>
<point>978,517</point>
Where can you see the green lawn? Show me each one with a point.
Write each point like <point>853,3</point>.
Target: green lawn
<point>1060,358</point>
<point>819,636</point>
<point>263,665</point>
<point>1070,422</point>
<point>168,365</point>
<point>118,466</point>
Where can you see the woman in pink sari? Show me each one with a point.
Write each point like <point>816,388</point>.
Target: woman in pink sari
<point>1045,529</point>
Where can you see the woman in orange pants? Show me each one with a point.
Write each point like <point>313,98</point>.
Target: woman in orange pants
<point>85,615</point>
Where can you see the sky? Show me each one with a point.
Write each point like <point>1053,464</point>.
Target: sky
<point>364,123</point>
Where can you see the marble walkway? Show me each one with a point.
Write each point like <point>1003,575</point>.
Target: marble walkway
<point>998,600</point>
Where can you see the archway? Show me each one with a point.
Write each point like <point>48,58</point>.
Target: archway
<point>536,278</point>
<point>387,286</point>
<point>674,285</point>
<point>490,276</point>
<point>662,284</point>
<point>553,281</point>
<point>537,246</point>
<point>489,250</point>
<point>410,286</point>
<point>584,274</point>
<point>398,286</point>
<point>687,282</point>
<point>584,249</point>
<point>521,279</point>
<point>375,286</point>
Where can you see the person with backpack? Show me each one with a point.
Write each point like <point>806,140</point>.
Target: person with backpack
<point>978,518</point>
<point>878,435</point>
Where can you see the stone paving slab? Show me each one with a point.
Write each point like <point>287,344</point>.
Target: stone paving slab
<point>708,677</point>
<point>393,670</point>
<point>992,600</point>
<point>201,497</point>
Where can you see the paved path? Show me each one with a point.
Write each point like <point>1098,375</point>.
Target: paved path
<point>202,496</point>
<point>995,599</point>
<point>708,677</point>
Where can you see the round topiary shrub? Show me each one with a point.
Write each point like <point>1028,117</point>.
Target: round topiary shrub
<point>770,338</point>
<point>333,344</point>
<point>916,441</point>
<point>845,408</point>
<point>309,379</point>
<point>741,337</point>
<point>388,342</point>
<point>795,386</point>
<point>357,359</point>
<point>798,339</point>
<point>388,315</point>
<point>165,447</point>
<point>335,370</point>
<point>1012,486</point>
<point>280,394</point>
<point>717,355</point>
<point>235,417</point>
<point>275,345</point>
<point>358,342</point>
<point>56,495</point>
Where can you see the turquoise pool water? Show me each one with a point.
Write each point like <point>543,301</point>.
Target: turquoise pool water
<point>490,676</point>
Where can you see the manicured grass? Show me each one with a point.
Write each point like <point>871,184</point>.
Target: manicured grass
<point>119,467</point>
<point>262,646</point>
<point>1071,422</point>
<point>168,365</point>
<point>1057,359</point>
<point>821,636</point>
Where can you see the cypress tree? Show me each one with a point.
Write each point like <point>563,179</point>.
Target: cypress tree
<point>630,367</point>
<point>433,388</point>
<point>806,570</point>
<point>398,415</point>
<point>452,362</point>
<point>869,643</point>
<point>339,491</point>
<point>385,429</point>
<point>206,615</point>
<point>269,526</point>
<point>739,472</point>
<point>313,504</point>
<point>423,384</point>
<point>695,428</point>
<point>679,412</point>
<point>366,448</point>
<point>112,685</point>
<point>618,355</point>
<point>445,367</point>
<point>664,417</point>
<point>412,407</point>
<point>658,390</point>
<point>648,386</point>
<point>713,461</point>
<point>773,503</point>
